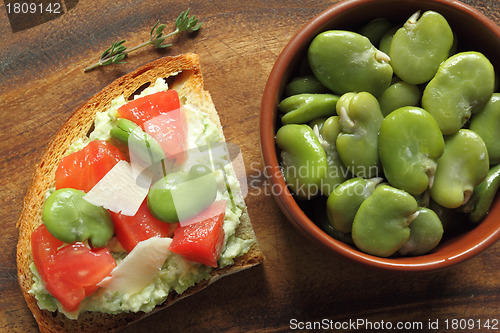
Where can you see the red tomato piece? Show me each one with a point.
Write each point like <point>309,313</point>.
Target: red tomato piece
<point>83,169</point>
<point>76,271</point>
<point>83,266</point>
<point>72,272</point>
<point>201,241</point>
<point>145,108</point>
<point>44,247</point>
<point>160,115</point>
<point>68,294</point>
<point>170,130</point>
<point>130,230</point>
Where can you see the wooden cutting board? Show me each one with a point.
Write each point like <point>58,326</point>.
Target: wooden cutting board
<point>42,82</point>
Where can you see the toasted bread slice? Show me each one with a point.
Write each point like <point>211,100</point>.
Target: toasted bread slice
<point>184,75</point>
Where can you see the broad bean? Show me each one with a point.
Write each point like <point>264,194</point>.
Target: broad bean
<point>482,198</point>
<point>303,159</point>
<point>375,29</point>
<point>426,232</point>
<point>420,46</point>
<point>305,85</point>
<point>357,143</point>
<point>142,146</point>
<point>381,224</point>
<point>302,108</point>
<point>461,87</point>
<point>463,165</point>
<point>399,94</point>
<point>486,124</point>
<point>386,40</point>
<point>410,142</point>
<point>327,132</point>
<point>70,218</point>
<point>344,201</point>
<point>182,195</point>
<point>345,61</point>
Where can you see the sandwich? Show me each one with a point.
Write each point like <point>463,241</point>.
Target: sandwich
<point>135,204</point>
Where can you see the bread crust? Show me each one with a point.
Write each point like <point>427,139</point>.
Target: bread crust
<point>189,85</point>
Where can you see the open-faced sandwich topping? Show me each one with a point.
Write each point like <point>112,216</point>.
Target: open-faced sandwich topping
<point>154,179</point>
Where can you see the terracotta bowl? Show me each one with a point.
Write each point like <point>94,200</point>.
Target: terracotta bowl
<point>475,32</point>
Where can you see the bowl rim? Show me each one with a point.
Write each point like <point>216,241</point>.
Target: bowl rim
<point>286,201</point>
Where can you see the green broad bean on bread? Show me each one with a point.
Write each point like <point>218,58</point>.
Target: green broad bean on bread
<point>410,110</point>
<point>180,195</point>
<point>141,145</point>
<point>70,218</point>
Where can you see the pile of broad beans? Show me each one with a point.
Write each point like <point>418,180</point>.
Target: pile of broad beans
<point>397,129</point>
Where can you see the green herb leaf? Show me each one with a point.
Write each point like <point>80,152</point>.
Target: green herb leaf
<point>117,51</point>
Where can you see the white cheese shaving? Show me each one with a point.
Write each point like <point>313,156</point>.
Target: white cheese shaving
<point>139,267</point>
<point>119,190</point>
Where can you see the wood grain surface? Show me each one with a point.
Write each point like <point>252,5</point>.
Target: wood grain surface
<point>42,82</point>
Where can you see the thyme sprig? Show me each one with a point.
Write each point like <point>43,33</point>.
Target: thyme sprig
<point>117,51</point>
